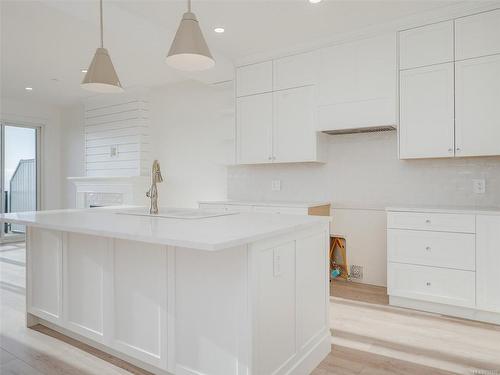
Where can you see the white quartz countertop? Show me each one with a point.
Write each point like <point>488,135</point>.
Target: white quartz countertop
<point>474,210</point>
<point>269,203</point>
<point>214,233</point>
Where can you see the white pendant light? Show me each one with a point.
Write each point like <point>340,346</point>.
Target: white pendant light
<point>189,51</point>
<point>101,75</point>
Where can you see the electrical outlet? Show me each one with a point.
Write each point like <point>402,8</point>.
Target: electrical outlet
<point>356,272</point>
<point>276,185</point>
<point>479,186</point>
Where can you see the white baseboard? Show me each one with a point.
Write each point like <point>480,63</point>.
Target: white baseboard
<point>460,312</point>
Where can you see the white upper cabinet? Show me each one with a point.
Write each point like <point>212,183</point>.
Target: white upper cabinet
<point>254,125</point>
<point>426,112</point>
<point>295,71</point>
<point>357,84</point>
<point>426,45</point>
<point>477,35</point>
<point>294,125</point>
<point>477,99</point>
<point>277,124</point>
<point>254,79</point>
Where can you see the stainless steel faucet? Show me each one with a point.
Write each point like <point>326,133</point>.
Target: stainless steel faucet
<point>152,193</point>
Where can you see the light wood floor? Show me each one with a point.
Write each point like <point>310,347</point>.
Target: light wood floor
<point>368,338</point>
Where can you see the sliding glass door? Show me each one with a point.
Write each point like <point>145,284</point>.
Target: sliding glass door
<point>19,174</point>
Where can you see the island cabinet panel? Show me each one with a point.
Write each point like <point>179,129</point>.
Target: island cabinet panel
<point>275,307</point>
<point>211,312</point>
<point>311,288</point>
<point>140,300</point>
<point>44,260</point>
<point>84,279</point>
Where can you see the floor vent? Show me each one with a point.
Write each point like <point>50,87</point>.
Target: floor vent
<point>356,272</point>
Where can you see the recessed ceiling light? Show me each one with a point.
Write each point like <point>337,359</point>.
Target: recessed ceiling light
<point>84,70</point>
<point>28,88</point>
<point>219,30</point>
<point>315,1</point>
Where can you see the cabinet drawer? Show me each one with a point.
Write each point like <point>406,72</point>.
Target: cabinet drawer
<point>432,221</point>
<point>439,249</point>
<point>439,285</point>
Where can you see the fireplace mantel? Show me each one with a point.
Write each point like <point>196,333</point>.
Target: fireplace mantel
<point>112,190</point>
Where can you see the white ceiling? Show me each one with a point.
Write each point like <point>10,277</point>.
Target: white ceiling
<point>45,44</point>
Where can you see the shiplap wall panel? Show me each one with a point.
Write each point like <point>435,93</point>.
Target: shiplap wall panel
<point>117,123</point>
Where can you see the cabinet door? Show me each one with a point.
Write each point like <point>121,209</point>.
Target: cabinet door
<point>477,100</point>
<point>477,35</point>
<point>426,128</point>
<point>254,129</point>
<point>426,45</point>
<point>44,284</point>
<point>140,301</point>
<point>357,85</point>
<point>295,71</point>
<point>86,281</point>
<point>294,136</point>
<point>254,79</point>
<point>488,263</point>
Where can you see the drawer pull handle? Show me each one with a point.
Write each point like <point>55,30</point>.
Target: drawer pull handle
<point>428,248</point>
<point>428,283</point>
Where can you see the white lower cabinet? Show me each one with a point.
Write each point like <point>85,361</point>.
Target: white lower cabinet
<point>290,292</point>
<point>275,307</point>
<point>170,309</point>
<point>140,301</point>
<point>433,284</point>
<point>445,262</point>
<point>488,263</point>
<point>86,280</point>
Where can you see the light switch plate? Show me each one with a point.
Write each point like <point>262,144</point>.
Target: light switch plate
<point>479,186</point>
<point>276,263</point>
<point>113,151</point>
<point>276,185</point>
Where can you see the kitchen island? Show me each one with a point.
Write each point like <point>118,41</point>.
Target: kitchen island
<point>231,294</point>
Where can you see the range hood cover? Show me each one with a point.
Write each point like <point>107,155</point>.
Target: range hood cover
<point>370,129</point>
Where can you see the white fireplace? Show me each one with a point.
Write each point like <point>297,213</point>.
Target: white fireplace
<point>110,191</point>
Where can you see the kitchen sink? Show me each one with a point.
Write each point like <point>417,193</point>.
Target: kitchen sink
<point>176,213</point>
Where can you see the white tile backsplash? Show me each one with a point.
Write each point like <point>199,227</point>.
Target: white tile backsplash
<point>363,171</point>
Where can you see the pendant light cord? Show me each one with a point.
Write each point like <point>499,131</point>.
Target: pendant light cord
<point>102,26</point>
<point>189,6</point>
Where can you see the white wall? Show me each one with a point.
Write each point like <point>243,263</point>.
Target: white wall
<point>362,177</point>
<point>72,151</point>
<point>191,126</point>
<point>49,118</point>
<point>192,133</point>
